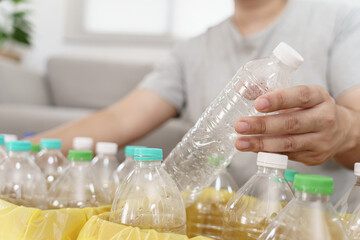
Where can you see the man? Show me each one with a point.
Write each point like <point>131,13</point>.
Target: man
<point>318,120</point>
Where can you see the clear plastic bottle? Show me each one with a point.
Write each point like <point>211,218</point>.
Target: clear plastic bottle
<point>105,163</point>
<point>83,143</point>
<point>21,180</point>
<point>2,148</point>
<point>205,215</point>
<point>255,205</point>
<point>354,225</point>
<point>310,215</point>
<point>78,186</point>
<point>125,168</point>
<point>348,203</point>
<point>149,198</point>
<point>51,160</point>
<point>290,176</point>
<point>213,135</point>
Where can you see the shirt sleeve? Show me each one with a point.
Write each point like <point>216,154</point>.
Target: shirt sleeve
<point>167,79</point>
<point>344,59</point>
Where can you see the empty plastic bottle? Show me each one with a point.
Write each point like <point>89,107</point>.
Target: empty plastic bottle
<point>35,149</point>
<point>290,176</point>
<point>78,186</point>
<point>213,135</point>
<point>105,163</point>
<point>21,180</point>
<point>205,215</point>
<point>310,215</point>
<point>2,148</point>
<point>348,203</point>
<point>83,143</point>
<point>255,205</point>
<point>149,198</point>
<point>51,160</point>
<point>354,224</point>
<point>125,168</point>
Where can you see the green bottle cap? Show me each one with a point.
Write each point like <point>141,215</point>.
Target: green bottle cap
<point>18,146</point>
<point>35,148</point>
<point>314,184</point>
<point>2,140</point>
<point>51,143</point>
<point>148,154</point>
<point>290,174</point>
<point>80,156</point>
<point>130,150</point>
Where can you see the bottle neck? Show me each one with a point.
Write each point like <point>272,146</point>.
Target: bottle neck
<point>19,154</point>
<point>309,197</point>
<point>357,181</point>
<point>51,150</point>
<point>147,164</point>
<point>105,155</point>
<point>79,164</point>
<point>281,64</point>
<point>274,172</point>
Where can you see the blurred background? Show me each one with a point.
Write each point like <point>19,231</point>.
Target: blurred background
<point>61,60</point>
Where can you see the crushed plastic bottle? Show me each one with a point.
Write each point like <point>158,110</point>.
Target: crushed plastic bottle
<point>149,198</point>
<point>21,180</point>
<point>310,215</point>
<point>83,143</point>
<point>290,176</point>
<point>2,148</point>
<point>213,135</point>
<point>105,163</point>
<point>348,203</point>
<point>51,160</point>
<point>255,205</point>
<point>205,215</point>
<point>78,186</point>
<point>125,168</point>
<point>354,224</point>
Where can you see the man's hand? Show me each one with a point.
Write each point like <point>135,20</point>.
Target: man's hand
<point>310,128</point>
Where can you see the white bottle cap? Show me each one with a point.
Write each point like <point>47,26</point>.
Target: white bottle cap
<point>357,169</point>
<point>106,148</point>
<point>83,143</point>
<point>9,137</point>
<point>272,160</point>
<point>288,56</point>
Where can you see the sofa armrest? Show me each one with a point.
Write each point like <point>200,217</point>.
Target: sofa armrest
<point>20,85</point>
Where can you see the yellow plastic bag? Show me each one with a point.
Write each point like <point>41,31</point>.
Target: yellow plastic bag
<point>22,223</point>
<point>99,228</point>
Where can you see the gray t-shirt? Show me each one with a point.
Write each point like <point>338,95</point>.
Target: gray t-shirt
<point>326,34</point>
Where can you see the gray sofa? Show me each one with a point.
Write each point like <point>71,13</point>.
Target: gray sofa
<point>71,89</point>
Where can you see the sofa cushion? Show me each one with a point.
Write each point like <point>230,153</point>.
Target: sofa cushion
<point>85,83</point>
<point>20,85</point>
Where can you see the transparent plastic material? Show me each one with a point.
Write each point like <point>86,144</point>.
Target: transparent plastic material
<point>149,199</point>
<point>348,203</point>
<point>52,163</point>
<point>21,181</point>
<point>104,165</point>
<point>354,224</point>
<point>77,187</point>
<point>255,205</point>
<point>2,153</point>
<point>205,215</point>
<point>307,217</point>
<point>212,137</point>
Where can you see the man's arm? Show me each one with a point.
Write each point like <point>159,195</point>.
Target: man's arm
<point>127,120</point>
<point>310,128</point>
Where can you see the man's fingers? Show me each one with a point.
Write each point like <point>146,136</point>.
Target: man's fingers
<point>295,122</point>
<point>279,144</point>
<point>303,96</point>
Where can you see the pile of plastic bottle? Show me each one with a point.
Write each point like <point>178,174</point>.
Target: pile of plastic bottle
<point>190,192</point>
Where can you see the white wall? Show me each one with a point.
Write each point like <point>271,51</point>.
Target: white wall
<point>48,18</point>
